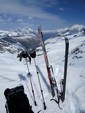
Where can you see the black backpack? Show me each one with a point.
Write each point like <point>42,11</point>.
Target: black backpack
<point>17,101</point>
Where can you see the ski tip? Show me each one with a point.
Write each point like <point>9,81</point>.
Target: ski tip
<point>39,28</point>
<point>66,40</point>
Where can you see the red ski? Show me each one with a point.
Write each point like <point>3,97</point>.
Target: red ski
<point>46,61</point>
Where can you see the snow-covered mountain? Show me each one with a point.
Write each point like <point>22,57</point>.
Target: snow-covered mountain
<point>72,31</point>
<point>14,73</point>
<point>13,41</point>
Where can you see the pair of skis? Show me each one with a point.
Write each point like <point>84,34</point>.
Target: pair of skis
<point>53,83</point>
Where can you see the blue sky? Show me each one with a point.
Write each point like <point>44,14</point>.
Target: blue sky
<point>50,14</point>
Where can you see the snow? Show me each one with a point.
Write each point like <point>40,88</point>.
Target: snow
<point>18,33</point>
<point>14,73</point>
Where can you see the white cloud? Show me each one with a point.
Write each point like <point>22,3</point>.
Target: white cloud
<point>4,19</point>
<point>30,11</point>
<point>9,19</point>
<point>30,17</point>
<point>1,20</point>
<point>61,9</point>
<point>20,20</point>
<point>33,11</point>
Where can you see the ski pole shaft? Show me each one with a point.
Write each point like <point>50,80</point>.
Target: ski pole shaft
<point>40,85</point>
<point>27,66</point>
<point>33,92</point>
<point>31,83</point>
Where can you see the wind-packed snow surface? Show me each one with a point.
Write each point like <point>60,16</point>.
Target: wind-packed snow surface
<point>14,73</point>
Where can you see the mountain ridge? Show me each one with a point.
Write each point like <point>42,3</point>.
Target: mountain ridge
<point>21,39</point>
<point>26,38</point>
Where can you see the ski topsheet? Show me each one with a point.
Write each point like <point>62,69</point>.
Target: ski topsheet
<point>63,81</point>
<point>46,61</point>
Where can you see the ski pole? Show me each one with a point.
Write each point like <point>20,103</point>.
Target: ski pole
<point>40,85</point>
<point>31,83</point>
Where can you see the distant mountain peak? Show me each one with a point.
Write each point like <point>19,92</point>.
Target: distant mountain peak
<point>71,31</point>
<point>21,38</point>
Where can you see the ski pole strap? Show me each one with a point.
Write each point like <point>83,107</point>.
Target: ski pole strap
<point>33,54</point>
<point>24,54</point>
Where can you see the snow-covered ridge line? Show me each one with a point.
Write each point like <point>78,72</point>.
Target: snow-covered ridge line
<point>71,31</point>
<point>14,41</point>
<point>27,38</point>
<point>17,32</point>
<point>29,32</point>
<point>73,27</point>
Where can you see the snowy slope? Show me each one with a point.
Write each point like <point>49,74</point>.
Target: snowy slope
<point>13,73</point>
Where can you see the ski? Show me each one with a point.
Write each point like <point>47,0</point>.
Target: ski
<point>46,61</point>
<point>63,81</point>
<point>61,94</point>
<point>57,92</point>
